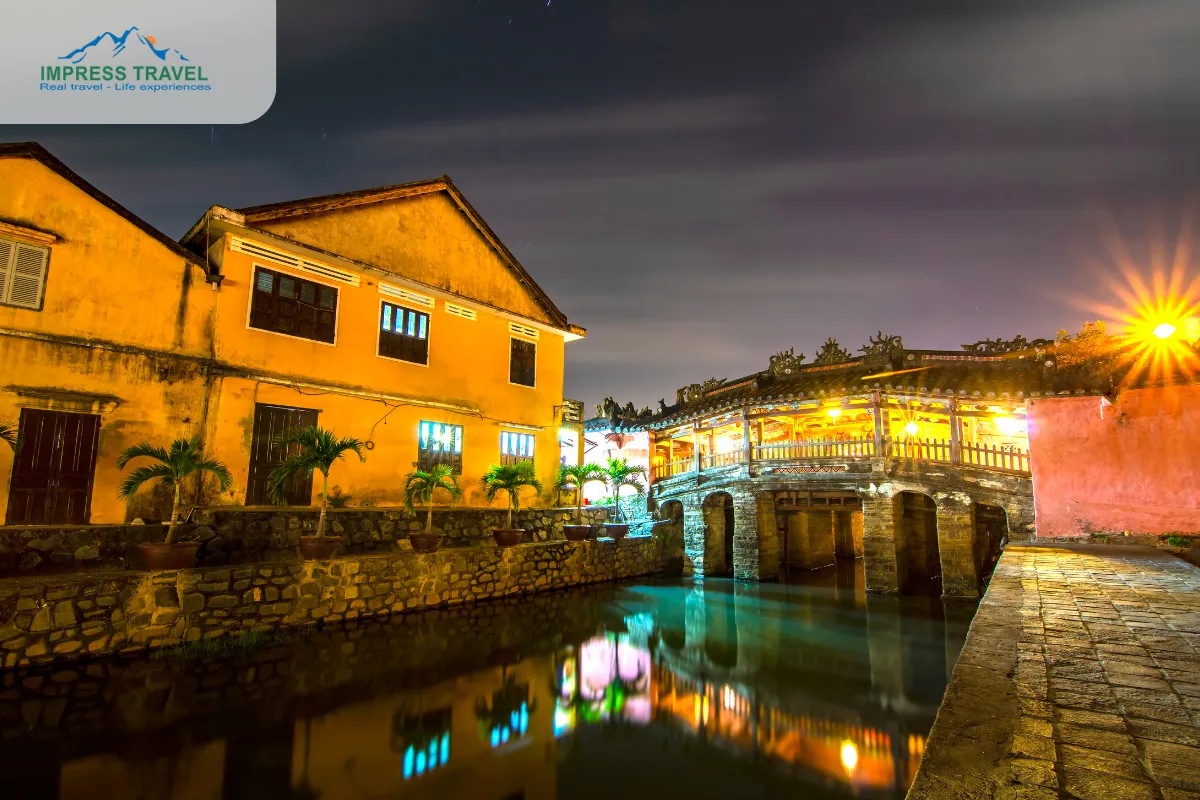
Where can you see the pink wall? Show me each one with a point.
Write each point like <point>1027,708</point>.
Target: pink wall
<point>1133,466</point>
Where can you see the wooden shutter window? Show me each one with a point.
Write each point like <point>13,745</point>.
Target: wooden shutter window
<point>284,303</point>
<point>440,443</point>
<point>522,362</point>
<point>22,274</point>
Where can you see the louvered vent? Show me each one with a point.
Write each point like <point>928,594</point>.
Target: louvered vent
<point>262,251</point>
<point>461,311</point>
<point>523,330</point>
<point>22,274</point>
<point>400,293</point>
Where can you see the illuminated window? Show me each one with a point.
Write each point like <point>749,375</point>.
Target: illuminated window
<point>22,274</point>
<point>515,447</point>
<point>286,304</point>
<point>522,362</point>
<point>440,444</point>
<point>404,334</point>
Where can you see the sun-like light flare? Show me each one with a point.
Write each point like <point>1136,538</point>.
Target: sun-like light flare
<point>1156,319</point>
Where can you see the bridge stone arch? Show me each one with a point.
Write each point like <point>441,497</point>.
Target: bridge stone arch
<point>719,524</point>
<point>918,545</point>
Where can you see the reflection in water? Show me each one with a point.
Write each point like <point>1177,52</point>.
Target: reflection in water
<point>806,688</point>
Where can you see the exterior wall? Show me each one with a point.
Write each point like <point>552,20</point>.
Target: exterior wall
<point>425,238</point>
<point>123,330</point>
<point>43,619</point>
<point>107,278</point>
<point>1126,467</point>
<point>468,367</point>
<point>130,330</point>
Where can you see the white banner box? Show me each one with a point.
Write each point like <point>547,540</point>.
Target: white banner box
<point>139,62</point>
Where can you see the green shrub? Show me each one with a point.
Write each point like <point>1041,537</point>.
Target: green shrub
<point>1175,540</point>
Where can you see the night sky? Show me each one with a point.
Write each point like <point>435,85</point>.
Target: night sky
<point>702,184</point>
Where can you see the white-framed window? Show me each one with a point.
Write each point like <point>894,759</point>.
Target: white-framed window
<point>23,274</point>
<point>403,333</point>
<point>515,447</point>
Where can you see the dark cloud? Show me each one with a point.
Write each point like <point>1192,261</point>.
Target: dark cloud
<point>704,183</point>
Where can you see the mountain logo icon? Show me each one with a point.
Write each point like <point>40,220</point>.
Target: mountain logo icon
<point>131,41</point>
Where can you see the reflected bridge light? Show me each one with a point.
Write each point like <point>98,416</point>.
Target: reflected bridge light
<point>849,755</point>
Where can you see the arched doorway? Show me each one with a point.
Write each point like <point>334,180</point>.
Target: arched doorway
<point>718,534</point>
<point>991,534</point>
<point>918,562</point>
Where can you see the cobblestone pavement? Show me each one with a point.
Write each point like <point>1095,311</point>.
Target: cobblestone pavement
<point>1080,678</point>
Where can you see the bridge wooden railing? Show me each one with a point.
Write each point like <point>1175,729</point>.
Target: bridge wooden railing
<point>998,458</point>
<point>672,468</point>
<point>1001,458</point>
<point>801,449</point>
<point>713,460</point>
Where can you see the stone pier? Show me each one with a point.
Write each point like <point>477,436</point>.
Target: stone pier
<point>1080,678</point>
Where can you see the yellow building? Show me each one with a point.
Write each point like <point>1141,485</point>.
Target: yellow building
<point>393,315</point>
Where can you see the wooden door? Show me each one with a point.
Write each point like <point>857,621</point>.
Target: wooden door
<point>54,469</point>
<point>265,457</point>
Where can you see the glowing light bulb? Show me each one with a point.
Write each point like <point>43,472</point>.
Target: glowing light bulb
<point>849,756</point>
<point>1164,330</point>
<point>912,429</point>
<point>1007,425</point>
<point>835,412</point>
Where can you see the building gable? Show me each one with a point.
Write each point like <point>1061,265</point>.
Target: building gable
<point>424,232</point>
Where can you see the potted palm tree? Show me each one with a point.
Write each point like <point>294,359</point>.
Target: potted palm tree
<point>621,473</point>
<point>182,459</point>
<point>575,477</point>
<point>316,450</point>
<point>510,478</point>
<point>419,486</point>
<point>9,433</point>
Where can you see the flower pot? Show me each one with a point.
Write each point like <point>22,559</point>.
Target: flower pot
<point>507,538</point>
<point>577,533</point>
<point>319,548</point>
<point>617,532</point>
<point>162,556</point>
<point>425,542</point>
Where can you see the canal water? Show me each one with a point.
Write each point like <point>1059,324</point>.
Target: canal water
<point>807,688</point>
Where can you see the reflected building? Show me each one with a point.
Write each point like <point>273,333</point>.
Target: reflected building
<point>805,687</point>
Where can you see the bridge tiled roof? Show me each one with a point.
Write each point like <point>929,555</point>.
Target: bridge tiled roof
<point>932,373</point>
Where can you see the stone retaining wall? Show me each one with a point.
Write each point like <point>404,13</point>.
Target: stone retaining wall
<point>44,619</point>
<point>248,535</point>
